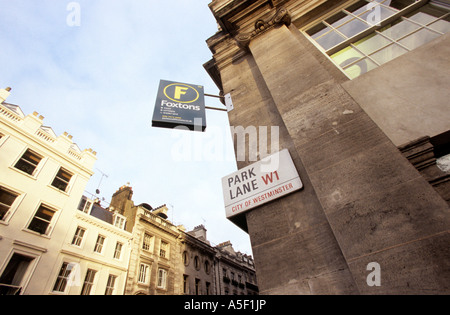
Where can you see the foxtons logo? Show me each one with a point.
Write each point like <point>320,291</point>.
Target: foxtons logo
<point>182,93</point>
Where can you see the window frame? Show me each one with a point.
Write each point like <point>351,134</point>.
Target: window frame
<point>13,207</point>
<point>98,245</point>
<point>85,205</point>
<point>164,252</point>
<point>161,282</point>
<point>67,184</point>
<point>62,278</point>
<point>118,251</point>
<point>374,29</point>
<point>77,238</point>
<point>37,167</point>
<point>144,273</point>
<point>148,242</point>
<point>50,224</point>
<point>111,284</point>
<point>27,273</point>
<point>89,282</point>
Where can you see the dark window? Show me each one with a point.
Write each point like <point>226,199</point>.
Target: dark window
<point>28,162</point>
<point>13,275</point>
<point>6,200</point>
<point>41,220</point>
<point>62,179</point>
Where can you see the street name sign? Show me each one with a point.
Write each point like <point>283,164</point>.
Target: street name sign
<point>268,179</point>
<point>180,104</point>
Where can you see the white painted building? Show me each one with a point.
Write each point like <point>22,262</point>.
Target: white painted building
<point>95,255</point>
<point>42,179</point>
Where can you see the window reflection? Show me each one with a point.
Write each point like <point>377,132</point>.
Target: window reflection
<point>389,39</point>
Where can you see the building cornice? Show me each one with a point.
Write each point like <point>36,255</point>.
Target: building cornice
<point>30,128</point>
<point>281,17</point>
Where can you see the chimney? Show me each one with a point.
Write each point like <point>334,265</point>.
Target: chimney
<point>4,93</point>
<point>121,198</point>
<point>199,232</point>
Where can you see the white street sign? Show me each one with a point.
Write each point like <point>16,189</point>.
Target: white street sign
<point>266,180</point>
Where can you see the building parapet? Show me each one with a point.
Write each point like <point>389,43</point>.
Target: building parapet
<point>32,126</point>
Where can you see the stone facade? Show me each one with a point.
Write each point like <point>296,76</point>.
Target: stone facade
<point>167,260</point>
<point>362,201</point>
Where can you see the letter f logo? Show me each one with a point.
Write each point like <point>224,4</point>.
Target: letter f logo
<point>180,90</point>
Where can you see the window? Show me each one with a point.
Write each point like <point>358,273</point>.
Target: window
<point>62,179</point>
<point>42,219</point>
<point>197,262</point>
<point>119,221</point>
<point>28,162</point>
<point>12,278</point>
<point>207,267</point>
<point>84,205</point>
<point>110,285</point>
<point>63,277</point>
<point>208,288</point>
<point>197,286</point>
<point>185,284</point>
<point>185,258</point>
<point>147,242</point>
<point>118,250</point>
<point>78,237</point>
<point>88,282</point>
<point>7,198</point>
<point>163,251</point>
<point>143,273</point>
<point>99,244</point>
<point>370,33</point>
<point>162,278</point>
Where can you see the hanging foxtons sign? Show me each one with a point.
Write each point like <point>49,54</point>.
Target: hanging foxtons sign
<point>266,180</point>
<point>180,104</point>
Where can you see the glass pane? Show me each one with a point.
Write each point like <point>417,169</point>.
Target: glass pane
<point>6,197</point>
<point>38,226</point>
<point>329,40</point>
<point>400,29</point>
<point>371,43</point>
<point>318,30</point>
<point>346,56</point>
<point>377,14</point>
<point>45,214</point>
<point>388,53</point>
<point>360,67</point>
<point>353,27</point>
<point>422,18</point>
<point>339,19</point>
<point>398,4</point>
<point>419,38</point>
<point>441,26</point>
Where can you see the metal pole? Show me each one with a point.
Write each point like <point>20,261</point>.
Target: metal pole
<point>215,108</point>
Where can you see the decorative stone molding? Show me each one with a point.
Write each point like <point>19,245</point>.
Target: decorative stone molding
<point>282,16</point>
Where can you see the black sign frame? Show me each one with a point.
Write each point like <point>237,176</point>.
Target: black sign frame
<point>180,104</point>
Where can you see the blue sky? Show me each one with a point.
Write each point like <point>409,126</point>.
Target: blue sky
<point>98,81</point>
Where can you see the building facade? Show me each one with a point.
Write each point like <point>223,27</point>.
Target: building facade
<point>95,255</point>
<point>352,86</point>
<point>198,261</point>
<point>56,241</point>
<point>235,272</point>
<point>42,178</point>
<point>167,260</point>
<point>154,249</point>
